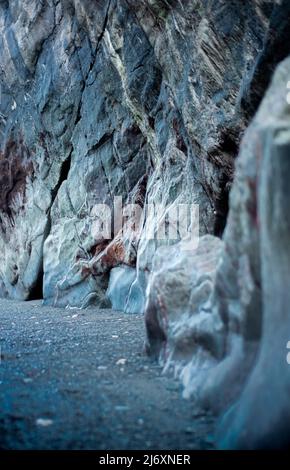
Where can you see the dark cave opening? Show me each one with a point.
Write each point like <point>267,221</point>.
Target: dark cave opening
<point>36,292</point>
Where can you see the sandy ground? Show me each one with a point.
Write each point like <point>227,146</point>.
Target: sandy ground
<point>72,379</point>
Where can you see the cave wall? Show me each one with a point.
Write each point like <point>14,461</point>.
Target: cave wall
<point>218,317</point>
<point>259,417</point>
<point>110,99</point>
<point>148,101</point>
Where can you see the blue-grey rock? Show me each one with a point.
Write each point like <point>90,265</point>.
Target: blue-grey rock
<point>265,158</point>
<point>136,299</point>
<point>149,103</point>
<point>108,100</point>
<point>121,280</point>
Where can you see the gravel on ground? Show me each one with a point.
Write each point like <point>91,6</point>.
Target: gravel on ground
<point>79,379</point>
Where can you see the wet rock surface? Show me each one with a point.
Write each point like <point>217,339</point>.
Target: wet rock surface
<point>79,380</point>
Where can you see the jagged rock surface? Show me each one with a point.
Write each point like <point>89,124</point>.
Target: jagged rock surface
<point>103,100</point>
<point>263,226</point>
<point>179,287</point>
<point>229,347</point>
<point>148,102</point>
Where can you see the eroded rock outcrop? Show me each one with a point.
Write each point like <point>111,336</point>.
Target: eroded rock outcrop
<point>264,399</point>
<point>177,316</point>
<point>147,101</point>
<point>229,348</point>
<point>109,99</point>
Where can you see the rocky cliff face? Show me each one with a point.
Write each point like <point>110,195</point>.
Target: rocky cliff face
<point>148,101</point>
<point>224,328</point>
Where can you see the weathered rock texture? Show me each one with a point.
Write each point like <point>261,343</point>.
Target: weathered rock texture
<point>104,99</point>
<point>261,416</point>
<point>148,100</point>
<point>226,333</point>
